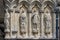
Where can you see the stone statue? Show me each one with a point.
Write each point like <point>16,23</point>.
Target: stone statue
<point>6,21</point>
<point>47,23</point>
<point>35,21</point>
<point>7,17</point>
<point>23,20</point>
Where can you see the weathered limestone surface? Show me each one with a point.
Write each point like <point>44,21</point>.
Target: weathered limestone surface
<point>26,19</point>
<point>19,20</point>
<point>29,20</point>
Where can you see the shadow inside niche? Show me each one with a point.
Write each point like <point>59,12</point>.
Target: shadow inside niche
<point>2,32</point>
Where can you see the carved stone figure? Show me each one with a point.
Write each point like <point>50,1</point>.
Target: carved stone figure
<point>6,21</point>
<point>48,22</point>
<point>23,22</point>
<point>7,17</point>
<point>23,19</point>
<point>35,20</point>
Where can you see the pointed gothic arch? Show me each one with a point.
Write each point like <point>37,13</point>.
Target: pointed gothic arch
<point>23,21</point>
<point>49,19</point>
<point>49,2</point>
<point>35,20</point>
<point>24,2</point>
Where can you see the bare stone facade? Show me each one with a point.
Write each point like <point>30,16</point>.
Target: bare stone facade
<point>30,19</point>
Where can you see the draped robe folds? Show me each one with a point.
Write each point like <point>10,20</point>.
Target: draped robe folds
<point>48,23</point>
<point>23,22</point>
<point>35,22</point>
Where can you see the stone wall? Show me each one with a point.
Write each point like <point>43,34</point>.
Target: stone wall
<point>2,15</point>
<point>30,19</point>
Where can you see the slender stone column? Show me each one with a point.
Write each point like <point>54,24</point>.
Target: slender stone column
<point>54,25</point>
<point>59,25</point>
<point>42,26</point>
<point>30,30</point>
